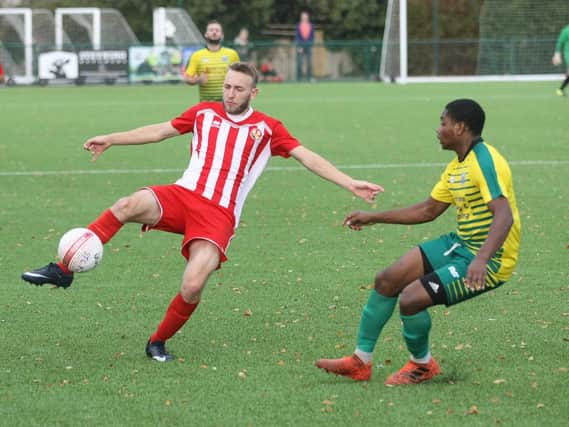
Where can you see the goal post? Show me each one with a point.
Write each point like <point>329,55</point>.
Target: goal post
<point>471,40</point>
<point>174,27</point>
<point>18,21</point>
<point>92,28</point>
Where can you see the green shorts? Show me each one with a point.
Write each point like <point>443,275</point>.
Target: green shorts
<point>446,262</point>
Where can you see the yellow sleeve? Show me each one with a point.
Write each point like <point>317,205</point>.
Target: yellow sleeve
<point>491,181</point>
<point>234,56</point>
<point>440,191</point>
<point>192,69</point>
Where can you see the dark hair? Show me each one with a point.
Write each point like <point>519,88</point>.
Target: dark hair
<point>469,112</point>
<point>245,68</point>
<point>214,21</point>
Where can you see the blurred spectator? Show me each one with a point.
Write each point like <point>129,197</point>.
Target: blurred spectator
<point>304,42</point>
<point>2,74</point>
<point>269,73</point>
<point>241,44</point>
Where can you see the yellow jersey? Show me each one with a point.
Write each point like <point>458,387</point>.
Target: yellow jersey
<point>470,185</point>
<point>214,64</point>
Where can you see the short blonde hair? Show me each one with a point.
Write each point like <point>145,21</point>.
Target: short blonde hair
<point>245,68</point>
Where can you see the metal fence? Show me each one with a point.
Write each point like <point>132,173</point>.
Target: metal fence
<point>330,61</point>
<point>278,61</point>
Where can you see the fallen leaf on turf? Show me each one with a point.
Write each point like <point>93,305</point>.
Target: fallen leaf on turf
<point>247,312</point>
<point>540,405</point>
<point>499,381</point>
<point>472,411</point>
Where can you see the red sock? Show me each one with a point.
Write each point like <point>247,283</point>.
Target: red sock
<point>178,313</point>
<point>64,268</point>
<point>106,226</point>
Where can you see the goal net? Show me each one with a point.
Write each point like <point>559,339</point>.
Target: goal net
<point>24,33</point>
<point>174,27</point>
<point>457,40</point>
<point>92,28</point>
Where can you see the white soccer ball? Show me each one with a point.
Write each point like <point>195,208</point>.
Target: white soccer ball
<point>80,250</point>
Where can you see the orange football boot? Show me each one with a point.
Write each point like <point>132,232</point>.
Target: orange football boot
<point>414,373</point>
<point>349,366</point>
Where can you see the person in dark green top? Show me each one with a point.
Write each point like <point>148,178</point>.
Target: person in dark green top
<point>562,46</point>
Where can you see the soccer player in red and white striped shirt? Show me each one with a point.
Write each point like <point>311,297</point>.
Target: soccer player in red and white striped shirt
<point>231,145</point>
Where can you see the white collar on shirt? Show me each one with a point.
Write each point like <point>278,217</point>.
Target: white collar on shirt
<point>240,117</point>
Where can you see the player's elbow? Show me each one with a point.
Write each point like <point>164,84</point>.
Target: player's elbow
<point>503,213</point>
<point>429,213</point>
<point>507,218</point>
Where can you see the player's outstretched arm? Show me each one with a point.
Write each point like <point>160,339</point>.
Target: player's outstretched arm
<point>323,168</point>
<point>416,214</point>
<point>499,229</point>
<point>142,135</point>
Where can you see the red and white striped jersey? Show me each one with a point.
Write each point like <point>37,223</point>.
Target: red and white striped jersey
<point>227,156</point>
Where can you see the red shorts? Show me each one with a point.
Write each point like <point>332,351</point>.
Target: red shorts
<point>185,212</point>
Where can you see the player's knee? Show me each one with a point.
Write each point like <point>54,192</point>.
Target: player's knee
<point>411,301</point>
<point>191,291</point>
<point>383,285</point>
<point>124,208</point>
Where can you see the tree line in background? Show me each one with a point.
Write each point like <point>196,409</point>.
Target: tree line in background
<point>339,19</point>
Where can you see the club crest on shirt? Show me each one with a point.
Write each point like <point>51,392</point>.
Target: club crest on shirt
<point>256,134</point>
<point>224,58</point>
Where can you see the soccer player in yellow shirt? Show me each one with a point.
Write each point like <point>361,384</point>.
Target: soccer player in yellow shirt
<point>479,256</point>
<point>208,66</point>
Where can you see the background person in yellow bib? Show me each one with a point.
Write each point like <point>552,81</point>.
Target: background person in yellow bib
<point>208,66</point>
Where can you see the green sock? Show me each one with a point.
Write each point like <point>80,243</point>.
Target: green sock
<point>416,330</point>
<point>375,315</point>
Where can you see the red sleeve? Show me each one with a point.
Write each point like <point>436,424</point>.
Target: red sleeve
<point>184,123</point>
<point>282,142</point>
